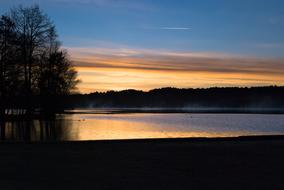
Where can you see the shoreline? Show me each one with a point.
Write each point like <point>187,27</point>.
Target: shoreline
<point>172,111</point>
<point>159,140</point>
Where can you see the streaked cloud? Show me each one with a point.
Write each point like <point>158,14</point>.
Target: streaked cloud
<point>128,4</point>
<point>124,68</point>
<point>160,60</point>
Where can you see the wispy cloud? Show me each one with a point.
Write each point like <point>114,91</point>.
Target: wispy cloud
<point>121,68</point>
<point>129,4</point>
<point>123,4</point>
<point>174,28</point>
<point>276,20</point>
<point>145,59</point>
<point>269,45</point>
<point>168,28</point>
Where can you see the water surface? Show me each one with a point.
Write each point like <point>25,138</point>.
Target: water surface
<point>99,125</point>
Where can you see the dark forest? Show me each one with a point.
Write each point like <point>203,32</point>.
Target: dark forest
<point>242,98</point>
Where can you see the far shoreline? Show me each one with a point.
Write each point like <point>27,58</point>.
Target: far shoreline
<point>119,110</point>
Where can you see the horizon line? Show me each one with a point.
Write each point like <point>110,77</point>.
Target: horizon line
<point>186,88</point>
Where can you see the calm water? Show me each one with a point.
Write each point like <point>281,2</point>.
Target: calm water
<point>93,125</point>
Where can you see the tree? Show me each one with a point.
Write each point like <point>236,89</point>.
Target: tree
<point>33,28</point>
<point>31,59</point>
<point>7,68</point>
<point>57,79</point>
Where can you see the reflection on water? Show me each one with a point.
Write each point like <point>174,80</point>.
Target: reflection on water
<point>35,130</point>
<point>92,126</point>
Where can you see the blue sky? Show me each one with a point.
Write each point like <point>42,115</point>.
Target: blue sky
<point>188,43</point>
<point>250,27</point>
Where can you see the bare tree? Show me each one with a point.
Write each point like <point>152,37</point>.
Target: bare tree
<point>7,36</point>
<point>38,67</point>
<point>33,28</point>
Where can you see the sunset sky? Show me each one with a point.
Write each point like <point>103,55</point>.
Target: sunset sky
<point>145,44</point>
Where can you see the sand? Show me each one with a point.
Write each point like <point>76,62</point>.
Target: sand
<point>226,163</point>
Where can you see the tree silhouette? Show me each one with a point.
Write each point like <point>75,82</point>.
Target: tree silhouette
<point>7,68</point>
<point>236,99</point>
<point>33,66</point>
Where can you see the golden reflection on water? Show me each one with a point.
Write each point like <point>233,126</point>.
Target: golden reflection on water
<point>118,127</point>
<point>115,129</point>
<point>85,126</point>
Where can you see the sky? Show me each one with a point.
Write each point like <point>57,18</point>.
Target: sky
<point>145,44</point>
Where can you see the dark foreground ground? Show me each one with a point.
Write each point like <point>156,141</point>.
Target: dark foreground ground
<point>240,163</point>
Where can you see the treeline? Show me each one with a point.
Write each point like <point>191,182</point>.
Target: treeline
<point>34,69</point>
<point>254,97</point>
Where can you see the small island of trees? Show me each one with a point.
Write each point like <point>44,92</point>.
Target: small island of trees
<point>34,70</point>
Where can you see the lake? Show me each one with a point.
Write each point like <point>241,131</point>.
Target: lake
<point>80,125</point>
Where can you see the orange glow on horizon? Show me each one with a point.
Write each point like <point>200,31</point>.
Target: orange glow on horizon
<point>94,79</point>
<point>144,71</point>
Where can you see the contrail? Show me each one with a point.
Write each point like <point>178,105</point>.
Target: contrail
<point>174,28</point>
<point>167,28</point>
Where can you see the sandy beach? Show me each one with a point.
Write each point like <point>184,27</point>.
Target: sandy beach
<point>223,163</point>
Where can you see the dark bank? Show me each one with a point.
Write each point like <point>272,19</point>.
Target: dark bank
<point>225,163</point>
